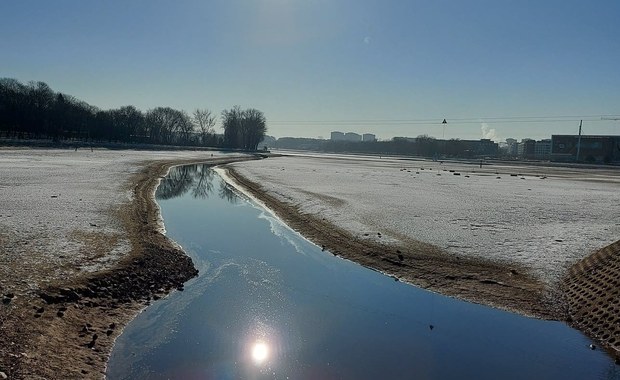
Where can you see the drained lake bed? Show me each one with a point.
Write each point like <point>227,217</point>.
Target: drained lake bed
<point>269,304</point>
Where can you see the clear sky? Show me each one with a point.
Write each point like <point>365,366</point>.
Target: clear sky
<point>393,68</point>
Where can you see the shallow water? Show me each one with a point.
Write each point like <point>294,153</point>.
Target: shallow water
<point>269,304</point>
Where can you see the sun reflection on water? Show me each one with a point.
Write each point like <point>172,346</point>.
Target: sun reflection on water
<point>260,352</point>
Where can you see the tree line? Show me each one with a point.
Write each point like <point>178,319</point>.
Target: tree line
<point>34,111</point>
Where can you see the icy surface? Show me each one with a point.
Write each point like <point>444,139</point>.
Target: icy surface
<point>543,218</point>
<point>56,203</point>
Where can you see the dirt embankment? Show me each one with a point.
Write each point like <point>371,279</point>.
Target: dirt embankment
<point>68,330</point>
<point>588,299</point>
<point>424,265</point>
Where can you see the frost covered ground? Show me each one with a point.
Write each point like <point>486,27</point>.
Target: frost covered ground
<point>544,218</point>
<point>56,203</point>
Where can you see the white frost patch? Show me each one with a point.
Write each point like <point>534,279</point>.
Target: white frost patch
<point>545,224</point>
<point>46,195</point>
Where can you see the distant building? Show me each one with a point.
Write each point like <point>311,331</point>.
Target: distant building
<point>368,137</point>
<point>337,136</point>
<point>526,148</point>
<point>591,148</point>
<point>468,148</point>
<point>542,149</point>
<point>511,147</point>
<point>487,147</point>
<point>353,137</point>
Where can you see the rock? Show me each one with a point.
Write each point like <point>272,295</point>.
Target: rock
<point>9,295</point>
<point>592,347</point>
<point>60,314</point>
<point>3,375</point>
<point>431,327</point>
<point>6,301</point>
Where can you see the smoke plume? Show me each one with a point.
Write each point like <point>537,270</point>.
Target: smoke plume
<point>489,133</point>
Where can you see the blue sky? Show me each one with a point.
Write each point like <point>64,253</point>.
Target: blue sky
<point>313,66</point>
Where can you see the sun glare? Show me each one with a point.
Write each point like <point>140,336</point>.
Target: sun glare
<point>260,352</point>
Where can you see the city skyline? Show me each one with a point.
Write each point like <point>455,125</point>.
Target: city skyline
<point>495,69</point>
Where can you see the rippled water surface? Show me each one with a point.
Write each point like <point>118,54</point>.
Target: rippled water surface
<point>269,304</point>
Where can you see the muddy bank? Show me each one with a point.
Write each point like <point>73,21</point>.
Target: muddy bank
<point>424,265</point>
<point>588,298</point>
<point>67,330</point>
<point>592,288</point>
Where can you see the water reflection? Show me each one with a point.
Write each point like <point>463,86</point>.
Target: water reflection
<point>260,352</point>
<point>197,179</point>
<point>269,305</point>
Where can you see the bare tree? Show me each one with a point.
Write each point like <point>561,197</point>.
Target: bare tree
<point>243,129</point>
<point>204,121</point>
<point>231,122</point>
<point>168,126</point>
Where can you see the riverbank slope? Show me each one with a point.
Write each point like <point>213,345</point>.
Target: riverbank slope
<point>81,252</point>
<point>510,251</point>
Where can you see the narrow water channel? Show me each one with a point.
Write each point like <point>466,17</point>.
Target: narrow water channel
<point>270,305</point>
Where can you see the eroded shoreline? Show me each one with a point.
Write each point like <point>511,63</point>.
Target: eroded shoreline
<point>69,328</point>
<point>585,300</point>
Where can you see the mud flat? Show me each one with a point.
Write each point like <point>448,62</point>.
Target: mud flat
<point>68,287</point>
<point>403,219</point>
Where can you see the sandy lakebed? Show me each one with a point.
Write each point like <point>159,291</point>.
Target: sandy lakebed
<point>82,251</point>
